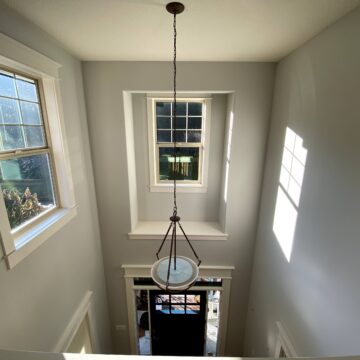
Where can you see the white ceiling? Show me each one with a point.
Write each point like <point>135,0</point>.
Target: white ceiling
<point>208,30</point>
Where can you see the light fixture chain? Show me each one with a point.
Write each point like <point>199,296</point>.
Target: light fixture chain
<point>171,282</point>
<point>175,127</point>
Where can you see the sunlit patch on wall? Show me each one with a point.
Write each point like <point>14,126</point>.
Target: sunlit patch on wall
<point>289,191</point>
<point>228,153</point>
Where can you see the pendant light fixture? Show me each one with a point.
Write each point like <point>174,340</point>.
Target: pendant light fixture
<point>173,272</point>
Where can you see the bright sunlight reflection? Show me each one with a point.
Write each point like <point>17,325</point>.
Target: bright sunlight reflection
<point>228,152</point>
<point>289,191</point>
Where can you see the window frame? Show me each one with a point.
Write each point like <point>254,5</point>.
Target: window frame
<point>46,149</point>
<point>20,242</point>
<point>157,185</point>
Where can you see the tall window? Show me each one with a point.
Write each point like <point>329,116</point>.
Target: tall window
<point>191,122</point>
<point>26,174</point>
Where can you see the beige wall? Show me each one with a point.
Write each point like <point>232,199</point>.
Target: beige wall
<point>317,295</point>
<point>104,86</point>
<point>40,295</point>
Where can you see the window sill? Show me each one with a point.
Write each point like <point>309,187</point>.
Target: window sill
<point>195,230</point>
<point>31,239</point>
<point>181,188</point>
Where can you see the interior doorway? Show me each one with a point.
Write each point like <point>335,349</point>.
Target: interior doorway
<point>178,323</point>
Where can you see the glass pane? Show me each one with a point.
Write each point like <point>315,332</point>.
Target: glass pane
<point>7,85</point>
<point>30,113</point>
<point>178,309</point>
<point>142,317</point>
<point>9,111</point>
<point>195,109</point>
<point>163,136</point>
<point>165,309</point>
<point>163,122</point>
<point>26,90</point>
<point>193,309</point>
<point>187,164</point>
<point>212,324</point>
<point>177,299</point>
<point>34,136</point>
<point>11,138</point>
<point>180,136</point>
<point>180,122</point>
<point>192,299</point>
<point>26,183</point>
<point>180,108</point>
<point>163,108</point>
<point>162,299</point>
<point>194,136</point>
<point>195,122</point>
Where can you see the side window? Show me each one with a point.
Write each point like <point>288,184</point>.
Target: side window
<point>26,171</point>
<point>37,191</point>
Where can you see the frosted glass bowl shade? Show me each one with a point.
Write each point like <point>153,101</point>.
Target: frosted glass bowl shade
<point>182,278</point>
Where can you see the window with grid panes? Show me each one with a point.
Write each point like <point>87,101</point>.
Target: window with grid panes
<point>26,172</point>
<point>189,140</point>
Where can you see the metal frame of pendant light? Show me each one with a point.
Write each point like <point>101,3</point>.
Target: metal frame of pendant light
<point>177,267</point>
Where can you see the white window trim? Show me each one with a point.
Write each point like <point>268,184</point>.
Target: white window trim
<point>16,246</point>
<point>185,187</point>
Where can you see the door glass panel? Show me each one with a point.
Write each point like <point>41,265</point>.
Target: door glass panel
<point>178,309</point>
<point>193,299</point>
<point>212,325</point>
<point>162,299</point>
<point>193,309</point>
<point>142,320</point>
<point>178,299</point>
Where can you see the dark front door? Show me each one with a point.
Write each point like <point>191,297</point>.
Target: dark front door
<point>178,323</point>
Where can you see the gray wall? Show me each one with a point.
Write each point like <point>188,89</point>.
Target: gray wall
<point>104,86</point>
<point>196,206</point>
<point>40,295</point>
<point>317,295</point>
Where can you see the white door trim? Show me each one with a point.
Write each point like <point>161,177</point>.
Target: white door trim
<point>134,271</point>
